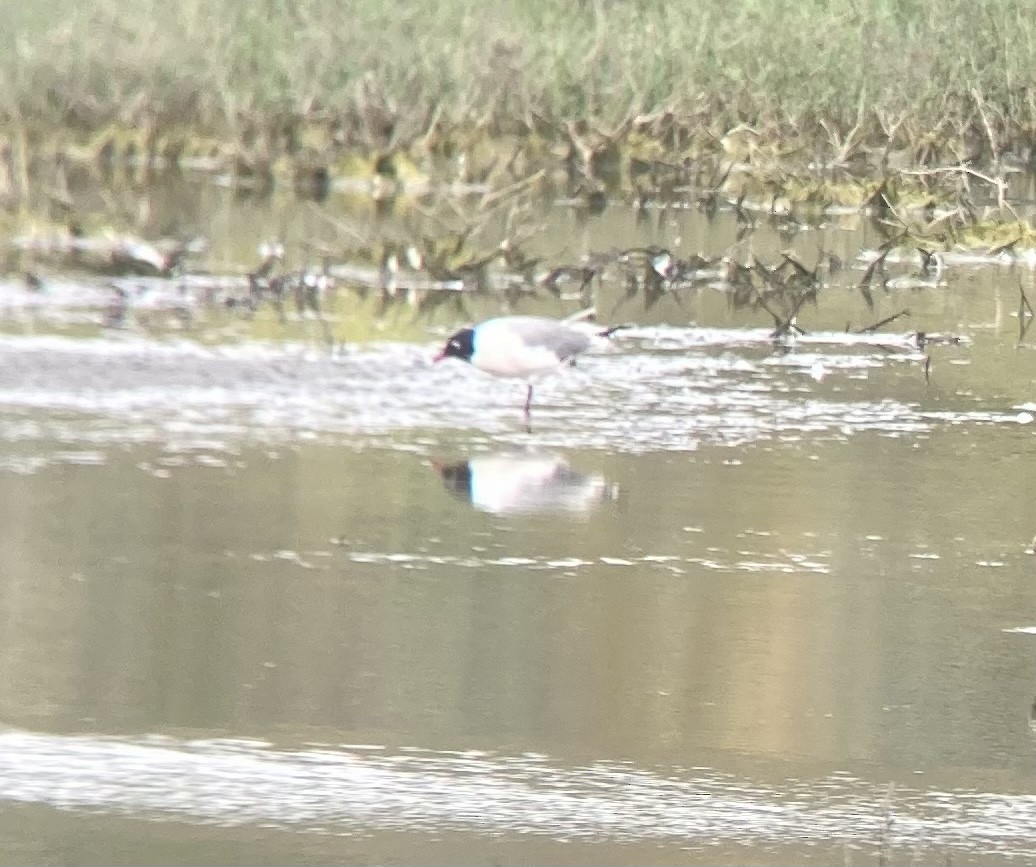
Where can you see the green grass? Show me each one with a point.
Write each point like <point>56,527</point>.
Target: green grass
<point>378,71</point>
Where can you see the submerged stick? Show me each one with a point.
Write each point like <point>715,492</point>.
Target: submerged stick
<point>1024,303</point>
<point>782,324</point>
<point>1024,320</point>
<point>870,329</point>
<point>885,832</point>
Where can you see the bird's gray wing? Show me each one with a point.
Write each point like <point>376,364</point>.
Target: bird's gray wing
<point>564,341</point>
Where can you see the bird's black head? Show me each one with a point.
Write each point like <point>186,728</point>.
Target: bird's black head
<point>456,478</point>
<point>461,345</point>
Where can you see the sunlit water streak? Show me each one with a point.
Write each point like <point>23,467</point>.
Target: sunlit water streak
<point>347,790</point>
<point>782,563</point>
<point>663,389</point>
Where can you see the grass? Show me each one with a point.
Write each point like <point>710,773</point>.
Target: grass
<point>377,74</point>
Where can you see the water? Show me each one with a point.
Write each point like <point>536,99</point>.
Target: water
<point>264,603</point>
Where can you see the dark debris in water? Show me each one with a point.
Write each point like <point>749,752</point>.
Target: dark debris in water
<point>450,247</point>
<point>170,280</point>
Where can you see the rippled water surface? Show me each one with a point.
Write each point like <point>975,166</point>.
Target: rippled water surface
<point>722,601</point>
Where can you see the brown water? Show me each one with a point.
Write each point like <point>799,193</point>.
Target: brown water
<point>722,603</point>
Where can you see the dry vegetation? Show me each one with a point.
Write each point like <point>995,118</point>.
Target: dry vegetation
<point>853,83</point>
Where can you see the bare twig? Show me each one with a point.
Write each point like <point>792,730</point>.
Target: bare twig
<point>870,329</point>
<point>1005,248</point>
<point>980,103</point>
<point>886,829</point>
<point>1024,303</point>
<point>965,172</point>
<point>518,186</point>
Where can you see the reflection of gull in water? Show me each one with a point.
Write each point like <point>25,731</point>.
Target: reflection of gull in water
<point>516,483</point>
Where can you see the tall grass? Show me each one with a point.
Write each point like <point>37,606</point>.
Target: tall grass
<point>384,69</point>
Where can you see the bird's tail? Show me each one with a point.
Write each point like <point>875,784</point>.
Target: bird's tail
<point>608,332</point>
<point>586,318</point>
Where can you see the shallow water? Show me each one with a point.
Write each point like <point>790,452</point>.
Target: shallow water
<point>723,601</point>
